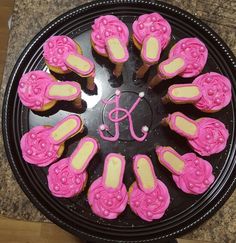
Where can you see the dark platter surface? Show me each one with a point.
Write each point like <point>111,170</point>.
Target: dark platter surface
<point>185,211</point>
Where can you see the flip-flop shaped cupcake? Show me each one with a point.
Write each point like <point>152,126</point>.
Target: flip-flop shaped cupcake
<point>68,177</point>
<point>107,195</point>
<point>43,145</point>
<point>151,34</point>
<point>40,91</point>
<point>148,197</point>
<point>187,58</point>
<point>63,55</point>
<point>191,174</point>
<point>210,92</point>
<point>109,38</point>
<point>205,135</point>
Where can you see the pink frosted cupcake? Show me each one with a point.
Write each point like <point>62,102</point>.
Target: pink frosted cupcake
<point>206,135</point>
<point>187,58</point>
<point>109,38</point>
<point>151,34</point>
<point>190,173</point>
<point>43,145</point>
<point>148,197</point>
<point>40,91</point>
<point>107,195</point>
<point>63,55</point>
<point>68,177</point>
<point>210,92</point>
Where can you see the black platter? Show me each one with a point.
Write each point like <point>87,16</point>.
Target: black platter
<point>74,215</point>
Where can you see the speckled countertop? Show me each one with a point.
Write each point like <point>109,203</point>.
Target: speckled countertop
<point>28,19</point>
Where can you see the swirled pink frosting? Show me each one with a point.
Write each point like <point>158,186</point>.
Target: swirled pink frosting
<point>37,148</point>
<point>149,206</point>
<point>63,182</point>
<point>32,88</point>
<point>107,203</point>
<point>215,89</point>
<point>195,54</point>
<point>212,137</point>
<point>152,24</point>
<point>197,175</point>
<point>106,27</point>
<point>55,48</point>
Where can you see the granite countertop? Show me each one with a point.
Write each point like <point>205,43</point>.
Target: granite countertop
<point>28,19</point>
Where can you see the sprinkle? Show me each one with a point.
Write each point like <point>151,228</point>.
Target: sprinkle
<point>49,154</point>
<point>56,170</point>
<point>153,28</point>
<point>119,197</point>
<point>206,182</point>
<point>145,129</point>
<point>56,188</point>
<point>202,48</point>
<point>65,39</point>
<point>210,92</point>
<point>60,50</point>
<point>164,29</point>
<point>50,44</point>
<point>63,179</point>
<point>104,21</point>
<point>154,18</point>
<point>33,76</point>
<point>29,151</point>
<point>54,59</point>
<point>141,26</point>
<point>32,135</point>
<point>22,85</point>
<point>221,140</point>
<point>106,213</point>
<point>102,127</point>
<point>141,94</point>
<point>119,29</point>
<point>97,196</point>
<point>183,46</point>
<point>160,198</point>
<point>149,214</point>
<point>194,54</point>
<point>77,180</point>
<point>136,203</point>
<point>218,101</point>
<point>43,145</point>
<point>117,92</point>
<point>98,37</point>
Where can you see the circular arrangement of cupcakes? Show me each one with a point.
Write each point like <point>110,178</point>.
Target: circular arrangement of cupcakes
<point>148,197</point>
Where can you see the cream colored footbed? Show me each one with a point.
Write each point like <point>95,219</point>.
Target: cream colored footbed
<point>65,128</point>
<point>62,90</point>
<point>82,156</point>
<point>174,161</point>
<point>116,48</point>
<point>185,125</point>
<point>152,48</point>
<point>145,174</point>
<point>174,65</point>
<point>185,92</point>
<point>79,63</point>
<point>114,166</point>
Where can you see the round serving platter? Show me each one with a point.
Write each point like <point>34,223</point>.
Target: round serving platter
<point>185,211</point>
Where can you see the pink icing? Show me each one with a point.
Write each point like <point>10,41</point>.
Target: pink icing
<point>163,74</point>
<point>79,125</point>
<point>37,148</point>
<point>144,51</point>
<point>106,27</point>
<point>66,181</point>
<point>148,204</point>
<point>160,153</point>
<point>63,182</point>
<point>216,91</point>
<point>196,176</point>
<point>171,119</point>
<point>212,137</point>
<point>152,24</point>
<point>117,119</point>
<point>183,99</point>
<point>70,83</point>
<point>32,89</point>
<point>55,48</point>
<point>91,155</point>
<point>108,202</point>
<point>194,53</point>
